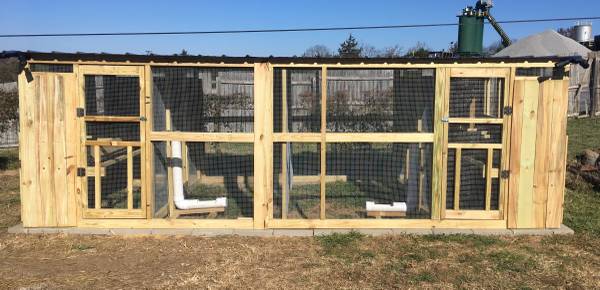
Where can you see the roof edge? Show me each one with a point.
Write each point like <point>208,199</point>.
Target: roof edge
<point>79,56</point>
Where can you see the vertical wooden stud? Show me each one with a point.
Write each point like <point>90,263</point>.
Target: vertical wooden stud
<point>488,179</point>
<point>323,142</point>
<point>457,174</point>
<point>129,177</point>
<point>438,190</point>
<point>97,177</point>
<point>284,153</point>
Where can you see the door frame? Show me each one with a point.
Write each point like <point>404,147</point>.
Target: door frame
<point>485,214</point>
<point>113,70</point>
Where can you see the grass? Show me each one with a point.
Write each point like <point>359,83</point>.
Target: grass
<point>583,134</point>
<point>340,260</point>
<point>9,159</point>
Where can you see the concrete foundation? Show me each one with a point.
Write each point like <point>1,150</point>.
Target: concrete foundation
<point>19,229</point>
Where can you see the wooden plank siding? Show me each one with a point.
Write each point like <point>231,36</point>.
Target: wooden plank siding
<point>47,155</point>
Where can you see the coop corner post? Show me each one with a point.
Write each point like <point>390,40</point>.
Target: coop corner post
<point>263,142</point>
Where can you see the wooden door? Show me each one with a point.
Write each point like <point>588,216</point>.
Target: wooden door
<point>476,132</point>
<point>112,112</point>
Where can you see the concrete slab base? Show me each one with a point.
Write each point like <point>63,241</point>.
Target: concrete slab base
<point>19,229</point>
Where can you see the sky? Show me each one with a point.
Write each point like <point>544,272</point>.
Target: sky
<point>76,16</point>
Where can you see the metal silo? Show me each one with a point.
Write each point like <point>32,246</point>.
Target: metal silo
<point>470,32</point>
<point>583,32</point>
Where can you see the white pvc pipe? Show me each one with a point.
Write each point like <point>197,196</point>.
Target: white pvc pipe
<point>178,197</point>
<point>396,206</point>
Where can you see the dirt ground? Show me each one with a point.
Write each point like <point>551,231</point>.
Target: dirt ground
<point>339,261</point>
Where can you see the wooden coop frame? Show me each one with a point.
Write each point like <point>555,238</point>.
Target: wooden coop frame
<point>55,171</point>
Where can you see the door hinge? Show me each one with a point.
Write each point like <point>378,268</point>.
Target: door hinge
<point>80,171</point>
<point>505,174</point>
<point>80,112</point>
<point>507,110</point>
<point>143,119</point>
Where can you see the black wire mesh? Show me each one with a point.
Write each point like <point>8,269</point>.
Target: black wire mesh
<point>210,170</point>
<point>303,98</point>
<point>160,180</point>
<point>472,193</point>
<point>203,99</point>
<point>297,167</point>
<point>534,72</point>
<point>475,133</point>
<point>49,67</point>
<point>379,172</point>
<point>113,131</point>
<point>113,177</point>
<point>380,100</point>
<point>107,95</point>
<point>476,97</point>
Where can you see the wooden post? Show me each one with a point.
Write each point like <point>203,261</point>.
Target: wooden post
<point>263,144</point>
<point>97,178</point>
<point>129,177</point>
<point>284,153</point>
<point>171,198</point>
<point>457,173</point>
<point>488,178</point>
<point>438,178</point>
<point>323,140</point>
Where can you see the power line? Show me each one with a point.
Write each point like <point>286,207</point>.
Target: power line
<point>308,29</point>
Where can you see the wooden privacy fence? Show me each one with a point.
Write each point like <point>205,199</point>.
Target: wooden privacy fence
<point>291,143</point>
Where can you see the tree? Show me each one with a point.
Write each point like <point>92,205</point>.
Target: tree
<point>350,48</point>
<point>391,51</point>
<point>318,50</point>
<point>183,52</point>
<point>568,32</point>
<point>493,48</point>
<point>419,50</point>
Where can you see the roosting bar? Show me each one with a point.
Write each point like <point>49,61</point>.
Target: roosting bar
<point>221,142</point>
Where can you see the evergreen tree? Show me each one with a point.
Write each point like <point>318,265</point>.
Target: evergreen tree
<point>350,48</point>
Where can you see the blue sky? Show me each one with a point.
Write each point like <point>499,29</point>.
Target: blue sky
<point>126,16</point>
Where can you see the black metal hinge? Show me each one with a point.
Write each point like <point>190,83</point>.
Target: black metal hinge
<point>80,112</point>
<point>505,174</point>
<point>143,119</point>
<point>81,172</point>
<point>507,110</point>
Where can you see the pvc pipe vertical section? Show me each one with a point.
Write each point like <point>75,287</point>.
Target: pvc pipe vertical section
<point>178,197</point>
<point>177,172</point>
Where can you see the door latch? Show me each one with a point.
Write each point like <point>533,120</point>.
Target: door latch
<point>445,119</point>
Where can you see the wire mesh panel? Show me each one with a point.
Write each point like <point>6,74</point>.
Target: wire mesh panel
<point>471,177</point>
<point>380,100</point>
<point>160,180</point>
<point>51,67</point>
<point>119,174</point>
<point>203,99</point>
<point>476,97</point>
<point>211,173</point>
<point>301,107</point>
<point>109,95</point>
<point>475,133</point>
<point>296,178</point>
<point>393,176</point>
<point>113,131</point>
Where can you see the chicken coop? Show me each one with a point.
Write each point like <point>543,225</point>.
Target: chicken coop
<point>147,141</point>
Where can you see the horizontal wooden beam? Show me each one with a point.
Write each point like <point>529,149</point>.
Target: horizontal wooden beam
<point>202,137</point>
<point>476,120</point>
<point>385,223</point>
<point>103,69</point>
<point>474,145</point>
<point>483,71</point>
<point>113,213</point>
<point>120,119</point>
<point>379,137</point>
<point>473,214</point>
<point>113,143</point>
<point>240,223</point>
